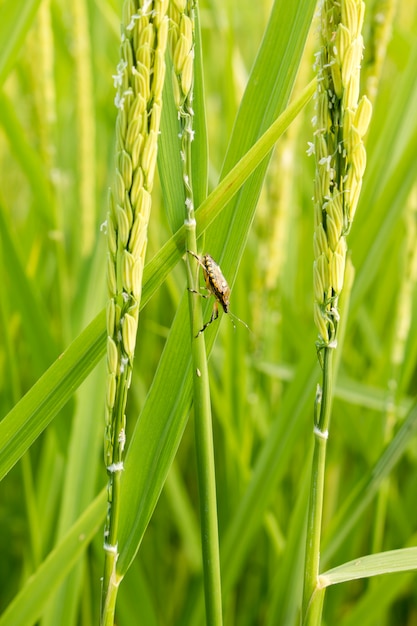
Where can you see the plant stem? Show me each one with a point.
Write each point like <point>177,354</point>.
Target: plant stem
<point>202,419</point>
<point>110,583</point>
<point>204,452</point>
<point>183,57</point>
<point>207,490</point>
<point>202,411</point>
<point>311,597</point>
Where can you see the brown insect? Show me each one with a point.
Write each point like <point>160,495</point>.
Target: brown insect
<point>218,287</point>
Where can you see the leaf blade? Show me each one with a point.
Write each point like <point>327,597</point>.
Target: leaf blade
<point>31,415</point>
<point>389,562</point>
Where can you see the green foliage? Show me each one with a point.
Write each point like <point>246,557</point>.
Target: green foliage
<point>257,222</point>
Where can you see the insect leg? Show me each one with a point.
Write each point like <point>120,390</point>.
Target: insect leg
<point>214,316</point>
<point>202,265</point>
<point>203,295</point>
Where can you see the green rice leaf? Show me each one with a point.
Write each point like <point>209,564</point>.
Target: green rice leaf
<point>26,300</point>
<point>29,160</point>
<point>388,562</point>
<point>16,19</point>
<point>28,604</point>
<point>357,502</point>
<point>31,415</point>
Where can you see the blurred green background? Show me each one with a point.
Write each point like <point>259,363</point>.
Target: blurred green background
<point>57,120</point>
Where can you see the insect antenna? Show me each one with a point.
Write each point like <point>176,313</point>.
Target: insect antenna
<point>233,316</point>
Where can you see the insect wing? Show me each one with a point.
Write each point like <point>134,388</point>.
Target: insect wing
<point>216,282</point>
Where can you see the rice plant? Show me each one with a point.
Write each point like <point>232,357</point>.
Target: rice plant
<point>155,473</point>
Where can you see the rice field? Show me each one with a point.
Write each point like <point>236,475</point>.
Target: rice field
<point>212,447</point>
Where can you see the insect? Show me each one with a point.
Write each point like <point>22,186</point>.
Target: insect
<point>218,287</point>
